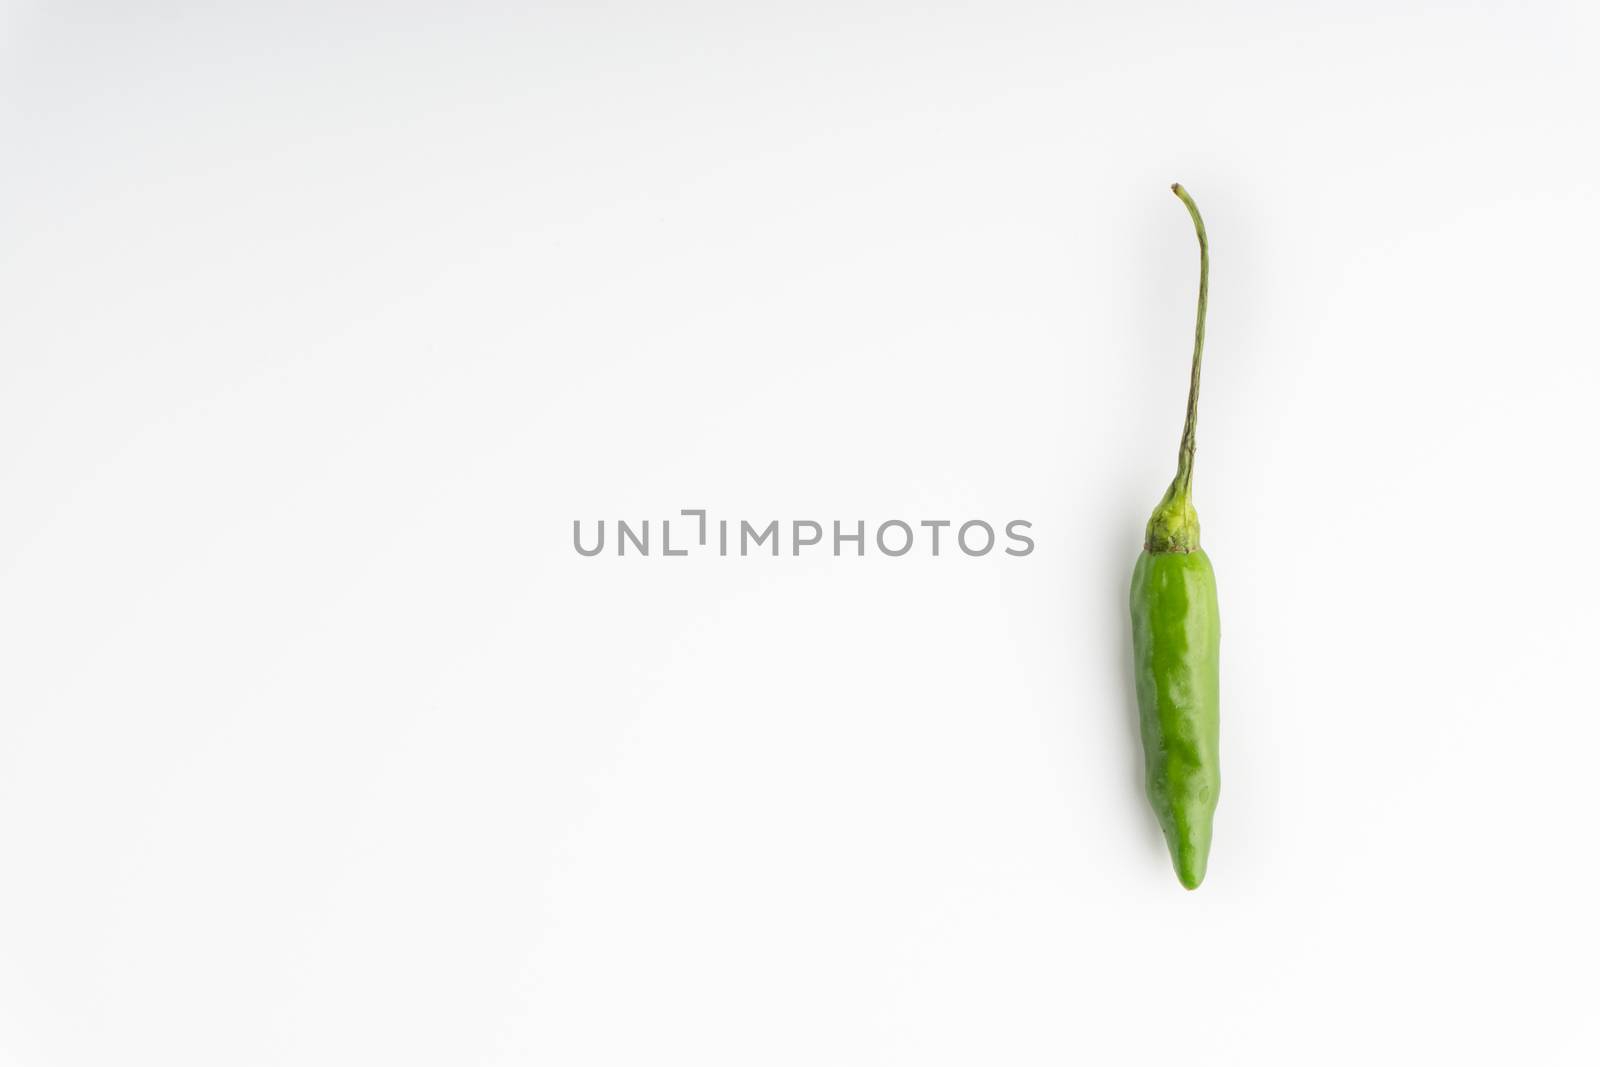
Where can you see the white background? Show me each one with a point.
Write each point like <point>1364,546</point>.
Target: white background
<point>319,324</point>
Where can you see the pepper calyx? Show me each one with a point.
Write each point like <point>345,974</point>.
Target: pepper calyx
<point>1174,525</point>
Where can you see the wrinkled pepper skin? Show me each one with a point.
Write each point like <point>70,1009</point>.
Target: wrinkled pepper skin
<point>1176,635</point>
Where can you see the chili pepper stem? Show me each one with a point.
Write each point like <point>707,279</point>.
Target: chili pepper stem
<point>1174,526</point>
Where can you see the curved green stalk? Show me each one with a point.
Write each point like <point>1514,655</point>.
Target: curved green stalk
<point>1174,527</point>
<point>1186,449</point>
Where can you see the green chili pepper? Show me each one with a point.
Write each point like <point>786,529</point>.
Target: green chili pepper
<point>1175,637</point>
